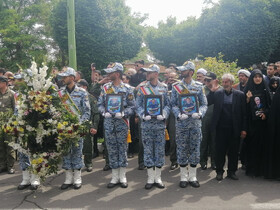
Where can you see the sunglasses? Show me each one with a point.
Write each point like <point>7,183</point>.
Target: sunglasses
<point>207,80</point>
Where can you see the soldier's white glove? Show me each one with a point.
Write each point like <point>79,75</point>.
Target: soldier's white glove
<point>196,115</point>
<point>160,117</point>
<point>119,115</point>
<point>107,115</point>
<point>183,116</point>
<point>147,117</point>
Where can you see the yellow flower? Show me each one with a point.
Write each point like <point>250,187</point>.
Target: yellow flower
<point>40,160</point>
<point>34,162</point>
<point>15,123</point>
<point>65,123</point>
<point>59,126</point>
<point>20,129</point>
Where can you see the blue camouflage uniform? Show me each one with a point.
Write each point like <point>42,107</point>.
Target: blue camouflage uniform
<point>116,130</point>
<point>74,159</point>
<point>188,131</point>
<point>153,131</point>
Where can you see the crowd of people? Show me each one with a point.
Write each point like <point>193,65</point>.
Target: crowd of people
<point>190,119</point>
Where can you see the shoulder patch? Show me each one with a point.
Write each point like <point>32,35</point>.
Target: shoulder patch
<point>142,84</point>
<point>198,83</point>
<point>175,83</point>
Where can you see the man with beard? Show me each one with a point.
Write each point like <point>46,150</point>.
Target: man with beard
<point>243,76</point>
<point>188,127</point>
<point>153,128</point>
<point>116,123</point>
<point>229,120</point>
<point>73,161</point>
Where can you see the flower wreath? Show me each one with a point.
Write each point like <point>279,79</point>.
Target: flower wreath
<point>43,128</point>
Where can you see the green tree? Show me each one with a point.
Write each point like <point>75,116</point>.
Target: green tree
<point>247,30</point>
<point>105,32</point>
<point>218,65</point>
<point>171,42</point>
<point>243,30</point>
<point>23,32</point>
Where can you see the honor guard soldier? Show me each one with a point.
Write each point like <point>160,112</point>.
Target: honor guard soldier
<point>153,127</point>
<point>73,161</point>
<point>116,112</point>
<point>188,124</point>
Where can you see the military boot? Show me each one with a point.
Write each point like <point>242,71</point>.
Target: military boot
<point>115,178</point>
<point>158,182</point>
<point>151,178</point>
<point>25,180</point>
<point>184,177</point>
<point>68,180</point>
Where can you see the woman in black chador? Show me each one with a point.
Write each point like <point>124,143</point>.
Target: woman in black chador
<point>273,85</point>
<point>272,161</point>
<point>258,104</point>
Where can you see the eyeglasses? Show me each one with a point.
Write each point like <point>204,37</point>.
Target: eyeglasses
<point>207,80</point>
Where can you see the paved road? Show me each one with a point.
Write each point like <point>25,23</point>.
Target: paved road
<point>247,193</point>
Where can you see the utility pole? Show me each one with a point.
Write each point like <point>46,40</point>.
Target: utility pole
<point>71,34</point>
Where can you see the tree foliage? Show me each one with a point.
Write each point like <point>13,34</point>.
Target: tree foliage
<point>246,30</point>
<point>23,32</point>
<point>171,43</point>
<point>105,32</point>
<point>218,65</point>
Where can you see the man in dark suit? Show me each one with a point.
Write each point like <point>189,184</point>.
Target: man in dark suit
<point>229,120</point>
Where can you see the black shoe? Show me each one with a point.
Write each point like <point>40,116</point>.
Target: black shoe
<point>34,187</point>
<point>203,166</point>
<point>219,176</point>
<point>124,184</point>
<point>89,169</point>
<point>159,185</point>
<point>232,176</point>
<point>149,186</point>
<point>194,184</point>
<point>243,167</point>
<point>77,186</point>
<point>95,155</point>
<point>106,168</point>
<point>130,155</point>
<point>173,166</point>
<point>141,167</point>
<point>213,166</point>
<point>22,187</point>
<point>111,185</point>
<point>65,186</point>
<point>183,184</point>
<point>11,171</point>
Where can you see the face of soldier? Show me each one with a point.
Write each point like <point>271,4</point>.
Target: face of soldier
<point>67,80</point>
<point>186,74</point>
<point>151,76</point>
<point>112,76</point>
<point>242,78</point>
<point>258,79</point>
<point>227,84</point>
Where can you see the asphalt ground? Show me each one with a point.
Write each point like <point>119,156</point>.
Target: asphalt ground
<point>246,193</point>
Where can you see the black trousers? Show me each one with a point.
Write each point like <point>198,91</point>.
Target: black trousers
<point>226,144</point>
